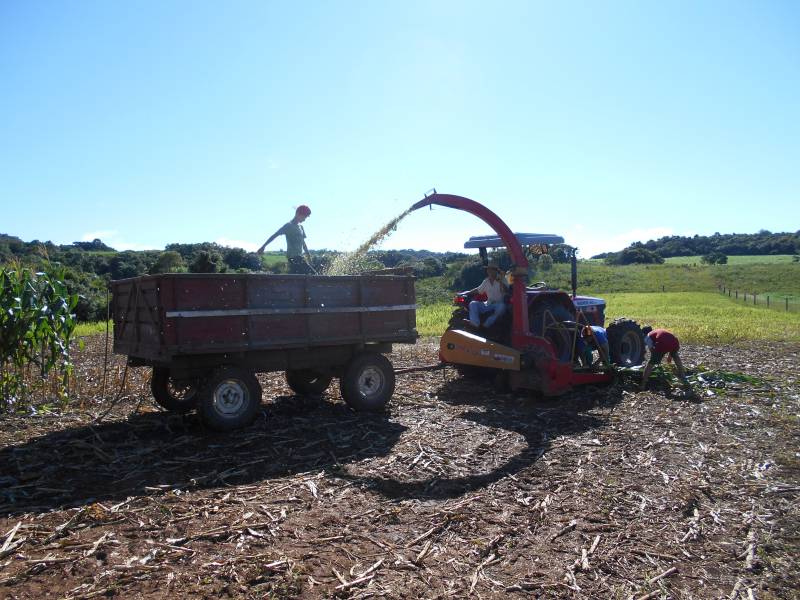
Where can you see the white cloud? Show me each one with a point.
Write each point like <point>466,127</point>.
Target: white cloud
<point>590,242</point>
<point>249,246</point>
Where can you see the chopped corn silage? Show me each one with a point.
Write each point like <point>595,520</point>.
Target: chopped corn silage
<point>353,263</point>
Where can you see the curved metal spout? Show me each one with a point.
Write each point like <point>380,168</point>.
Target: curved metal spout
<point>519,329</point>
<point>486,215</point>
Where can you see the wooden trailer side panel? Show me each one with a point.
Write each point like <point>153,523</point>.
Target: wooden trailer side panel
<point>138,318</point>
<point>208,293</point>
<point>195,314</point>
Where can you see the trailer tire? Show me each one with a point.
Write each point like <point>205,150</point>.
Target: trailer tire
<point>307,382</point>
<point>230,399</point>
<point>625,343</point>
<point>559,337</point>
<point>175,395</point>
<point>368,382</point>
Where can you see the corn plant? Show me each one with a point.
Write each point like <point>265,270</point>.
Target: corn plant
<point>36,325</point>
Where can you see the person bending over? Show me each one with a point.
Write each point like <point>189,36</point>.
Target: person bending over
<point>593,336</point>
<point>661,342</point>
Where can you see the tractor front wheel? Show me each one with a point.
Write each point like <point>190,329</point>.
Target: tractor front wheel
<point>625,343</point>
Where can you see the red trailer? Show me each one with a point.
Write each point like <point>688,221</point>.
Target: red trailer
<point>206,335</point>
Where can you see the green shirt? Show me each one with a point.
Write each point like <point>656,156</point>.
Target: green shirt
<point>294,238</point>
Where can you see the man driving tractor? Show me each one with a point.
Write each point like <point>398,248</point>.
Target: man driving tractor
<point>495,291</point>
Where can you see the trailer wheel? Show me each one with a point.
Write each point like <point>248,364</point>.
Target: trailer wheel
<point>230,399</point>
<point>560,337</point>
<point>307,382</point>
<point>368,382</point>
<point>625,343</point>
<point>176,395</point>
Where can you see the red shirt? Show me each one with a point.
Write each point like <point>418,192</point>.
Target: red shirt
<point>664,341</point>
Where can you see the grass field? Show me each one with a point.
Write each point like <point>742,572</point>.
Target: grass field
<point>696,317</point>
<point>271,258</point>
<point>84,329</point>
<point>699,317</point>
<point>765,259</point>
<point>778,278</point>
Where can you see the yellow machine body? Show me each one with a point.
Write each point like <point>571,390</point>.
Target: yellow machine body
<point>464,348</point>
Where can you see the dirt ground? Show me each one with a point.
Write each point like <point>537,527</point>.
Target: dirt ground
<point>455,491</point>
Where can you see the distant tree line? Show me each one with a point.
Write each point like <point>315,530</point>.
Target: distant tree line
<point>711,247</point>
<point>88,267</point>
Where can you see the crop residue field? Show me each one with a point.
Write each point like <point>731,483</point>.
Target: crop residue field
<point>455,491</point>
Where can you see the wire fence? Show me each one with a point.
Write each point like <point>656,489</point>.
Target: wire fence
<point>773,301</point>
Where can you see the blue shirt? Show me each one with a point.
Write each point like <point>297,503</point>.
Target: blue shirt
<point>599,334</point>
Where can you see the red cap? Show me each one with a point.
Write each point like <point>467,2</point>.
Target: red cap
<point>303,210</point>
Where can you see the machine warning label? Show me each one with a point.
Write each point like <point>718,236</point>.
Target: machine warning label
<point>503,358</point>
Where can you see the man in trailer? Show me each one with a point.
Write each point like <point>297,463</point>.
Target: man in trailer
<point>297,253</point>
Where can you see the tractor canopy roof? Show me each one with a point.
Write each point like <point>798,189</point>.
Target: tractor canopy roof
<point>525,239</point>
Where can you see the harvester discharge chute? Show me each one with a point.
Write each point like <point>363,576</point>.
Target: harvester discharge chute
<point>536,350</point>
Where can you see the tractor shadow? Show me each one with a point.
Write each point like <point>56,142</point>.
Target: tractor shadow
<point>538,420</point>
<point>150,453</point>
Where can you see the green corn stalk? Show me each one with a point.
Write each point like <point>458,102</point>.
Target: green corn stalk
<point>36,325</point>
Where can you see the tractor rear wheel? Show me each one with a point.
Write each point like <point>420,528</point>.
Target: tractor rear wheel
<point>625,343</point>
<point>544,320</point>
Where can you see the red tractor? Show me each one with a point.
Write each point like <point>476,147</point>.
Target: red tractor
<point>534,344</point>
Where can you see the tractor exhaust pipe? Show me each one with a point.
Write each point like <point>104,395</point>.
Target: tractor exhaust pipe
<point>573,259</point>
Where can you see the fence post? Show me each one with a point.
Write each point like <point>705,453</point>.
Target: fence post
<point>737,295</point>
<point>729,292</point>
<point>787,303</point>
<point>754,299</point>
<point>767,301</point>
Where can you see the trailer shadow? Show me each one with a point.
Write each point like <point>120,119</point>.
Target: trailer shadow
<point>154,452</point>
<point>537,420</point>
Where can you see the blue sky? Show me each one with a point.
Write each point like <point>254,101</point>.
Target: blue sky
<point>145,123</point>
